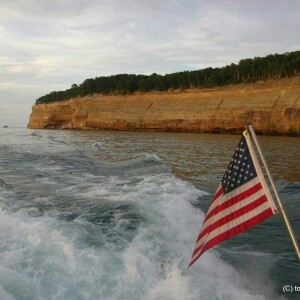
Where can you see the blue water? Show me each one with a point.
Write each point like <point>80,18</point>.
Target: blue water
<point>115,215</point>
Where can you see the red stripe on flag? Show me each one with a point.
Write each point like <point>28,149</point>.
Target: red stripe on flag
<point>216,197</point>
<point>242,196</point>
<point>239,212</point>
<point>234,231</point>
<point>218,193</point>
<point>233,215</point>
<point>235,199</point>
<point>236,214</point>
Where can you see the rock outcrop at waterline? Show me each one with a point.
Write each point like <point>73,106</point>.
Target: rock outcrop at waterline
<point>273,107</point>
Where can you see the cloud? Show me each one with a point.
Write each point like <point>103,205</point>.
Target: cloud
<point>49,45</point>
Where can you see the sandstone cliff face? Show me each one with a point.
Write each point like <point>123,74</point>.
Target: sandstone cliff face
<point>272,108</point>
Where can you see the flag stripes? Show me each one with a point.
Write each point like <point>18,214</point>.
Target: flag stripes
<point>227,201</point>
<point>231,214</point>
<point>233,202</point>
<point>257,218</point>
<point>239,208</point>
<point>231,208</point>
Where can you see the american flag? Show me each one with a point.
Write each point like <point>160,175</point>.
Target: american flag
<point>242,200</point>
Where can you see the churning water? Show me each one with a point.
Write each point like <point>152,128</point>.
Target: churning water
<point>115,215</point>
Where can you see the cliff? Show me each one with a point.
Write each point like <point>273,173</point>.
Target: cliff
<point>273,107</point>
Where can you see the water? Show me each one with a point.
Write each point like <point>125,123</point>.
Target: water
<point>115,215</point>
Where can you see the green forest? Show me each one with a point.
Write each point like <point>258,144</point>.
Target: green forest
<point>248,70</point>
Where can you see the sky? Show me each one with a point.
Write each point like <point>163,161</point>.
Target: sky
<point>49,45</point>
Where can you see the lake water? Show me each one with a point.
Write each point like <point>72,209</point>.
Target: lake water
<point>115,215</point>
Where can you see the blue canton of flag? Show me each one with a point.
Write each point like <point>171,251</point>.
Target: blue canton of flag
<point>240,169</point>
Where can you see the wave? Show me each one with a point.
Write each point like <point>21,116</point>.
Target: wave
<point>127,239</point>
<point>104,222</point>
<point>36,134</point>
<point>101,148</point>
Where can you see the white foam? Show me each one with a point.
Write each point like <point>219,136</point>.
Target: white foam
<point>47,258</point>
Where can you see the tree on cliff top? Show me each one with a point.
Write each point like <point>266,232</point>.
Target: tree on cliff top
<point>247,70</point>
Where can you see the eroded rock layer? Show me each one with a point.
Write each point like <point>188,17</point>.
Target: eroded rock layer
<point>272,108</point>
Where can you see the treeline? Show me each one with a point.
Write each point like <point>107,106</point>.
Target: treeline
<point>247,70</point>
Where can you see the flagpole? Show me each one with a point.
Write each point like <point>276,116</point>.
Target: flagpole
<point>286,220</point>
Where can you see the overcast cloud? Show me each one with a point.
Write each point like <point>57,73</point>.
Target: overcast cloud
<point>49,45</point>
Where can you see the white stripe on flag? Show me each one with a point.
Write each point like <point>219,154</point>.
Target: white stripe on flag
<point>259,172</point>
<point>223,198</point>
<point>228,226</point>
<point>233,208</point>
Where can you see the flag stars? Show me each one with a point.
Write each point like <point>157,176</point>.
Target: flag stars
<point>239,169</point>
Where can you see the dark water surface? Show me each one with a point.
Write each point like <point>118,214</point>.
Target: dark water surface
<point>115,215</point>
